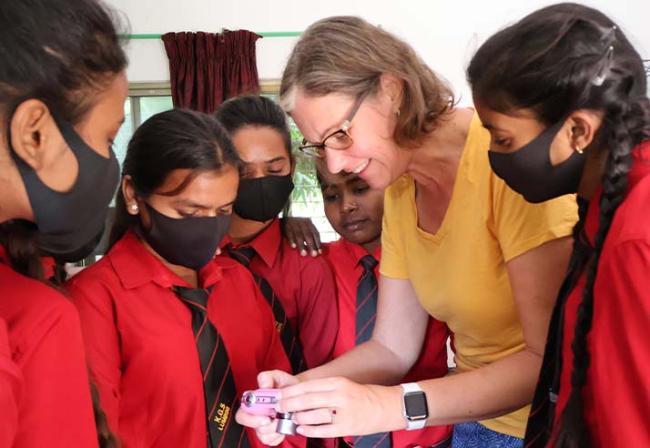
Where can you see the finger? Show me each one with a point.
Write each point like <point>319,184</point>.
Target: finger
<point>313,417</point>
<point>252,421</point>
<point>310,401</point>
<point>272,439</point>
<point>310,243</point>
<point>316,236</point>
<point>275,379</point>
<point>291,236</point>
<point>319,385</point>
<point>320,431</point>
<point>269,429</point>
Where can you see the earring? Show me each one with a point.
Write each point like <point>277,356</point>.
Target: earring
<point>578,149</point>
<point>133,208</point>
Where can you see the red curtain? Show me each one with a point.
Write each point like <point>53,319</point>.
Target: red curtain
<point>206,68</point>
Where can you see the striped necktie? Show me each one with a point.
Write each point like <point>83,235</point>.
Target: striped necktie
<point>290,342</point>
<point>365,323</point>
<point>221,397</point>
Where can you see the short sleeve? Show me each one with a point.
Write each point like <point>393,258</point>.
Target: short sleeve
<point>101,338</point>
<point>318,317</point>
<point>56,377</point>
<point>521,226</point>
<point>393,259</point>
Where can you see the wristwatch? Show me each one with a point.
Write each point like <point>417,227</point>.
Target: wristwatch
<point>416,410</point>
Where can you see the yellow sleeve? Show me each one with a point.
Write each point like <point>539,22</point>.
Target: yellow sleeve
<point>393,261</point>
<point>521,226</point>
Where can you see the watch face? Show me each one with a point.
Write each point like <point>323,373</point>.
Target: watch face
<point>415,404</point>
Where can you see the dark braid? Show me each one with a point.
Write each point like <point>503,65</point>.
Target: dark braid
<point>105,437</point>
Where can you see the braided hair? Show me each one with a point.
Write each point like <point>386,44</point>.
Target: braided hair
<point>557,60</point>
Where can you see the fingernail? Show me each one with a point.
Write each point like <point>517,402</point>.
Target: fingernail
<point>293,245</point>
<point>320,251</point>
<point>303,252</point>
<point>314,253</point>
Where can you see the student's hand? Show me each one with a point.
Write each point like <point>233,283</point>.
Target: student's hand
<point>302,235</point>
<point>265,426</point>
<point>338,407</point>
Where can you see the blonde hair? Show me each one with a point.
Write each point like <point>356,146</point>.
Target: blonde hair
<point>348,55</point>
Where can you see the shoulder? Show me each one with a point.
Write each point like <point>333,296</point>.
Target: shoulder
<point>335,254</point>
<point>99,273</point>
<point>631,222</point>
<point>309,268</point>
<point>333,248</point>
<point>30,295</point>
<point>31,307</point>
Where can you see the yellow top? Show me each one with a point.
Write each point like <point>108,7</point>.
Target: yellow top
<point>459,273</point>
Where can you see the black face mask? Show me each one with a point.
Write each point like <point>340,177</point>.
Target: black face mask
<point>529,171</point>
<point>263,198</point>
<point>68,223</point>
<point>190,242</point>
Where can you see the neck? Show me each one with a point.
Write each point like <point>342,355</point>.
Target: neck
<point>189,275</point>
<point>434,163</point>
<point>14,203</point>
<point>244,231</point>
<point>372,246</point>
<point>592,173</point>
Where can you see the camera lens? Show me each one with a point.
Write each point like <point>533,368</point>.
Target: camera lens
<point>248,399</point>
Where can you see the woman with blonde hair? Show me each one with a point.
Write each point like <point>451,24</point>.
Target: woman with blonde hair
<point>458,244</point>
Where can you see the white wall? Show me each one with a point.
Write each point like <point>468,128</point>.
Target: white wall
<point>445,33</point>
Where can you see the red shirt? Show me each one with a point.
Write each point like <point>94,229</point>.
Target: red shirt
<point>141,346</point>
<point>10,390</point>
<point>343,257</point>
<point>617,392</point>
<point>306,289</point>
<point>54,408</point>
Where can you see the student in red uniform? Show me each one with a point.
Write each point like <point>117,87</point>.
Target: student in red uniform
<point>301,289</point>
<point>173,335</point>
<point>62,92</point>
<point>355,211</point>
<point>568,112</point>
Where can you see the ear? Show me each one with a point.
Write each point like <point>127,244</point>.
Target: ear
<point>392,88</point>
<point>583,125</point>
<point>130,197</point>
<point>32,129</point>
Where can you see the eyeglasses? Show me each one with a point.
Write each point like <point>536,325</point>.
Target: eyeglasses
<point>339,139</point>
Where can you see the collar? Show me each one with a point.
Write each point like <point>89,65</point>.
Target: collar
<point>136,266</point>
<point>357,252</point>
<point>640,169</point>
<point>267,244</point>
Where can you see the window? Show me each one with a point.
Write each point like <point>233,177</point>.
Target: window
<point>148,99</point>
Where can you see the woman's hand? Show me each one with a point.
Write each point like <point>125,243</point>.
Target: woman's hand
<point>302,235</point>
<point>265,426</point>
<point>337,407</point>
